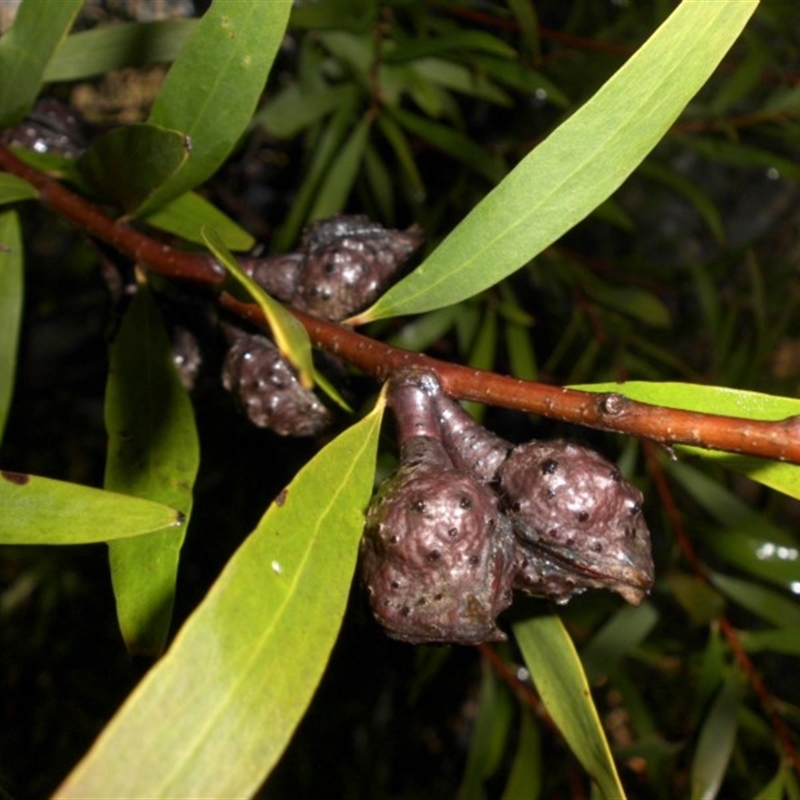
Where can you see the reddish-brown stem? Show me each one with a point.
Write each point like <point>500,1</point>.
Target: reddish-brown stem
<point>779,440</point>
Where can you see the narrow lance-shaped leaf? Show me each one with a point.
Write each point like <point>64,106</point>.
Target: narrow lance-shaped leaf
<point>289,333</point>
<point>489,736</point>
<point>189,213</point>
<point>579,165</point>
<point>13,189</point>
<point>40,510</point>
<point>525,778</point>
<point>127,164</point>
<point>124,44</point>
<point>559,678</point>
<point>25,49</point>
<point>11,295</point>
<point>214,715</point>
<point>715,745</point>
<point>338,183</point>
<point>234,44</point>
<point>154,453</point>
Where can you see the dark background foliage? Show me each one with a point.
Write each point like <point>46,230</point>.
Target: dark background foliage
<point>690,274</point>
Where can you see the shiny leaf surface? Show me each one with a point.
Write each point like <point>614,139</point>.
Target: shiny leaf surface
<point>579,165</point>
<point>223,695</point>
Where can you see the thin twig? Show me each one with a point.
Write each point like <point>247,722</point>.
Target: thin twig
<point>778,440</point>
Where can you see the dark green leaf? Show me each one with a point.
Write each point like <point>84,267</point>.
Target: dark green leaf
<point>297,107</point>
<point>153,453</point>
<point>44,511</point>
<point>525,779</point>
<point>126,44</point>
<point>13,189</point>
<point>559,678</point>
<point>324,153</point>
<point>452,43</point>
<point>188,214</point>
<point>459,78</point>
<point>337,184</point>
<point>243,669</point>
<point>25,50</point>
<point>701,602</point>
<point>11,297</point>
<point>453,143</point>
<point>715,745</point>
<point>771,606</point>
<point>489,736</point>
<point>617,639</point>
<point>234,43</point>
<point>576,167</point>
<point>785,640</point>
<point>128,164</point>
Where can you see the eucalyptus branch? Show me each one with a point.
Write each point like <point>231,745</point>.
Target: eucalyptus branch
<point>778,440</point>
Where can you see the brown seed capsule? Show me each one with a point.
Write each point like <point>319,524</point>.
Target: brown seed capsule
<point>268,389</point>
<point>437,558</point>
<point>471,446</point>
<point>577,520</point>
<point>348,262</point>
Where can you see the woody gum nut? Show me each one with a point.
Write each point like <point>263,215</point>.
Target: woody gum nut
<point>349,261</point>
<point>437,558</point>
<point>278,275</point>
<point>268,389</point>
<point>571,509</point>
<point>471,446</point>
<point>411,396</point>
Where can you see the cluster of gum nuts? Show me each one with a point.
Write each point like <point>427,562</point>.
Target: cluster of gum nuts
<point>467,518</point>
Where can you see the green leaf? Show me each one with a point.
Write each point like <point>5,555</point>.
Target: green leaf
<point>721,400</point>
<point>617,639</point>
<point>11,298</point>
<point>297,107</point>
<point>325,151</point>
<point>703,603</point>
<point>453,143</point>
<point>290,335</point>
<point>525,778</point>
<point>456,42</point>
<point>233,45</point>
<point>128,164</point>
<point>559,678</point>
<point>489,736</point>
<point>715,745</point>
<point>13,189</point>
<point>126,44</point>
<point>26,48</point>
<point>188,214</point>
<point>460,78</point>
<point>335,188</point>
<point>579,165</point>
<point>771,606</point>
<point>785,640</point>
<point>153,453</point>
<point>45,511</point>
<point>237,680</point>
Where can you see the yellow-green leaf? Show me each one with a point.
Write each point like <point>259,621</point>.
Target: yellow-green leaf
<point>289,333</point>
<point>558,675</point>
<point>40,510</point>
<point>214,715</point>
<point>154,453</point>
<point>579,165</point>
